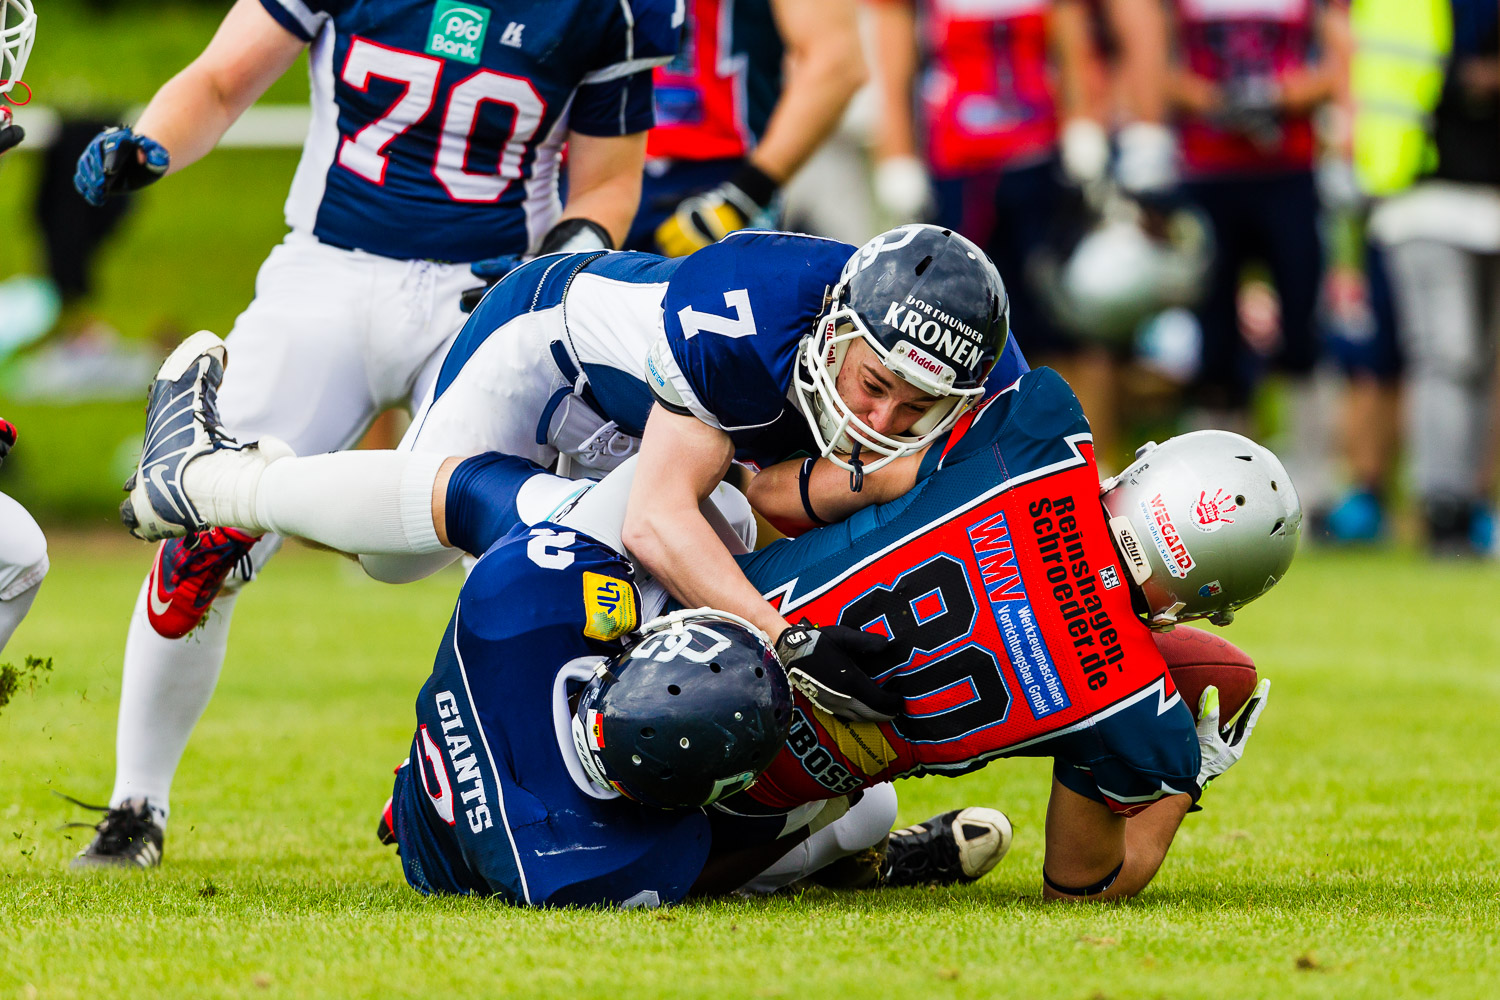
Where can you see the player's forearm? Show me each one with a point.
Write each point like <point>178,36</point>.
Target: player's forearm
<point>820,79</point>
<point>895,47</point>
<point>1072,48</point>
<point>1148,837</point>
<point>675,544</point>
<point>604,180</point>
<point>188,116</point>
<point>776,492</point>
<point>1140,27</point>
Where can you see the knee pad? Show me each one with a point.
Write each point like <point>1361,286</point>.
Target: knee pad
<point>23,550</point>
<point>406,568</point>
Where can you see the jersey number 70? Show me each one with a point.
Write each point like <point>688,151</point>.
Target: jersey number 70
<point>364,152</point>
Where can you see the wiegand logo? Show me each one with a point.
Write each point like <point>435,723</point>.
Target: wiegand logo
<point>457,30</point>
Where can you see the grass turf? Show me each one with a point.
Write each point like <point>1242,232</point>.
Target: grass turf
<point>1353,853</point>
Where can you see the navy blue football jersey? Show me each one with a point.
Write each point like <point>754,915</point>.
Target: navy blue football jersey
<point>733,315</point>
<point>438,124</point>
<point>493,799</point>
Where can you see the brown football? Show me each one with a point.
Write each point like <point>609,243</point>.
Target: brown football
<point>1197,658</point>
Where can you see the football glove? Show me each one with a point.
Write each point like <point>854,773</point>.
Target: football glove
<point>110,165</point>
<point>823,664</point>
<point>568,236</point>
<point>7,438</point>
<point>1221,748</point>
<point>10,135</point>
<point>1146,166</point>
<point>902,188</point>
<point>708,217</point>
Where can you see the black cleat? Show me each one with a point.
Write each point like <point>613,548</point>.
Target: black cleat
<point>127,837</point>
<point>385,831</point>
<point>958,846</point>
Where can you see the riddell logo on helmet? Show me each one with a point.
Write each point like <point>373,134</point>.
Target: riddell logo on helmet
<point>1167,538</point>
<point>923,361</point>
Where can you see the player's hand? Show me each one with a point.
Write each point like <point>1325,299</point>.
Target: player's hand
<point>10,135</point>
<point>116,161</point>
<point>706,218</point>
<point>703,219</point>
<point>7,438</point>
<point>490,270</point>
<point>1222,748</point>
<point>824,664</point>
<point>1147,163</point>
<point>903,189</point>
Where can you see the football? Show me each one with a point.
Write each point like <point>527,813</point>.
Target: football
<point>1197,658</point>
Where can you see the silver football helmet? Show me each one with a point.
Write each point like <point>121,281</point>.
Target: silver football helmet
<point>17,32</point>
<point>1205,522</point>
<point>1121,271</point>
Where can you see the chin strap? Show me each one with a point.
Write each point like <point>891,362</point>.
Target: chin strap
<point>857,474</point>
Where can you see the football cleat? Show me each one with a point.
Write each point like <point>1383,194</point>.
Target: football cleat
<point>127,837</point>
<point>958,846</point>
<point>182,424</point>
<point>385,830</point>
<point>188,574</point>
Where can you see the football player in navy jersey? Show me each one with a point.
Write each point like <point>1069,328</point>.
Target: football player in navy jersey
<point>434,142</point>
<point>1016,593</point>
<point>760,348</point>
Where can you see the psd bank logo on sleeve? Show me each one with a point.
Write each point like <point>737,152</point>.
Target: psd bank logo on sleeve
<point>457,30</point>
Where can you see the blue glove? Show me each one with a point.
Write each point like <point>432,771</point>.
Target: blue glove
<point>110,165</point>
<point>490,270</point>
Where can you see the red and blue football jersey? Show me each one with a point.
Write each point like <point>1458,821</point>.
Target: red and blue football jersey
<point>1010,618</point>
<point>1235,44</point>
<point>713,101</point>
<point>985,88</point>
<point>438,125</point>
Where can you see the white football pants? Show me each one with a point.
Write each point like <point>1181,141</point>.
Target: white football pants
<point>23,563</point>
<point>332,338</point>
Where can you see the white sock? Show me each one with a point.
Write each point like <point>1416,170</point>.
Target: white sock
<point>866,822</point>
<point>375,502</point>
<point>165,688</point>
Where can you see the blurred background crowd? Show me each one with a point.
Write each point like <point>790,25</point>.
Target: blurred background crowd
<point>1280,217</point>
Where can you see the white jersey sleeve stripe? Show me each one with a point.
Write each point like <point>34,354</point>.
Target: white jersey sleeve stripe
<point>627,68</point>
<point>312,22</point>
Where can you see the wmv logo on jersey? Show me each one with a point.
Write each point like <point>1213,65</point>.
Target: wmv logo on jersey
<point>457,30</point>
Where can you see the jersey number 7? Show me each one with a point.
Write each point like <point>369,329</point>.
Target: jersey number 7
<point>364,152</point>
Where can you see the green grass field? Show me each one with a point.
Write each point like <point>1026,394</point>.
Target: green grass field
<point>1354,852</point>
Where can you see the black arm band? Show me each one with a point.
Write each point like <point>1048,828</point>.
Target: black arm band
<point>576,235</point>
<point>1088,890</point>
<point>802,480</point>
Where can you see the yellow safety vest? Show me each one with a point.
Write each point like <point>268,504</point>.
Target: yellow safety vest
<point>1401,49</point>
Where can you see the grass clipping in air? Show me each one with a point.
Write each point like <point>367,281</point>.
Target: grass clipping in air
<point>35,671</point>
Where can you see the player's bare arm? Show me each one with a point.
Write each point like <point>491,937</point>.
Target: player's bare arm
<point>192,110</point>
<point>901,182</point>
<point>1093,854</point>
<point>802,493</point>
<point>681,460</point>
<point>604,180</point>
<point>824,67</point>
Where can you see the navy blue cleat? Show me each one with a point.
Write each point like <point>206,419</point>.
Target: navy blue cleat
<point>182,424</point>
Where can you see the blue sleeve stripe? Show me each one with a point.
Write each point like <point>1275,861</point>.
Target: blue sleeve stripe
<point>295,17</point>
